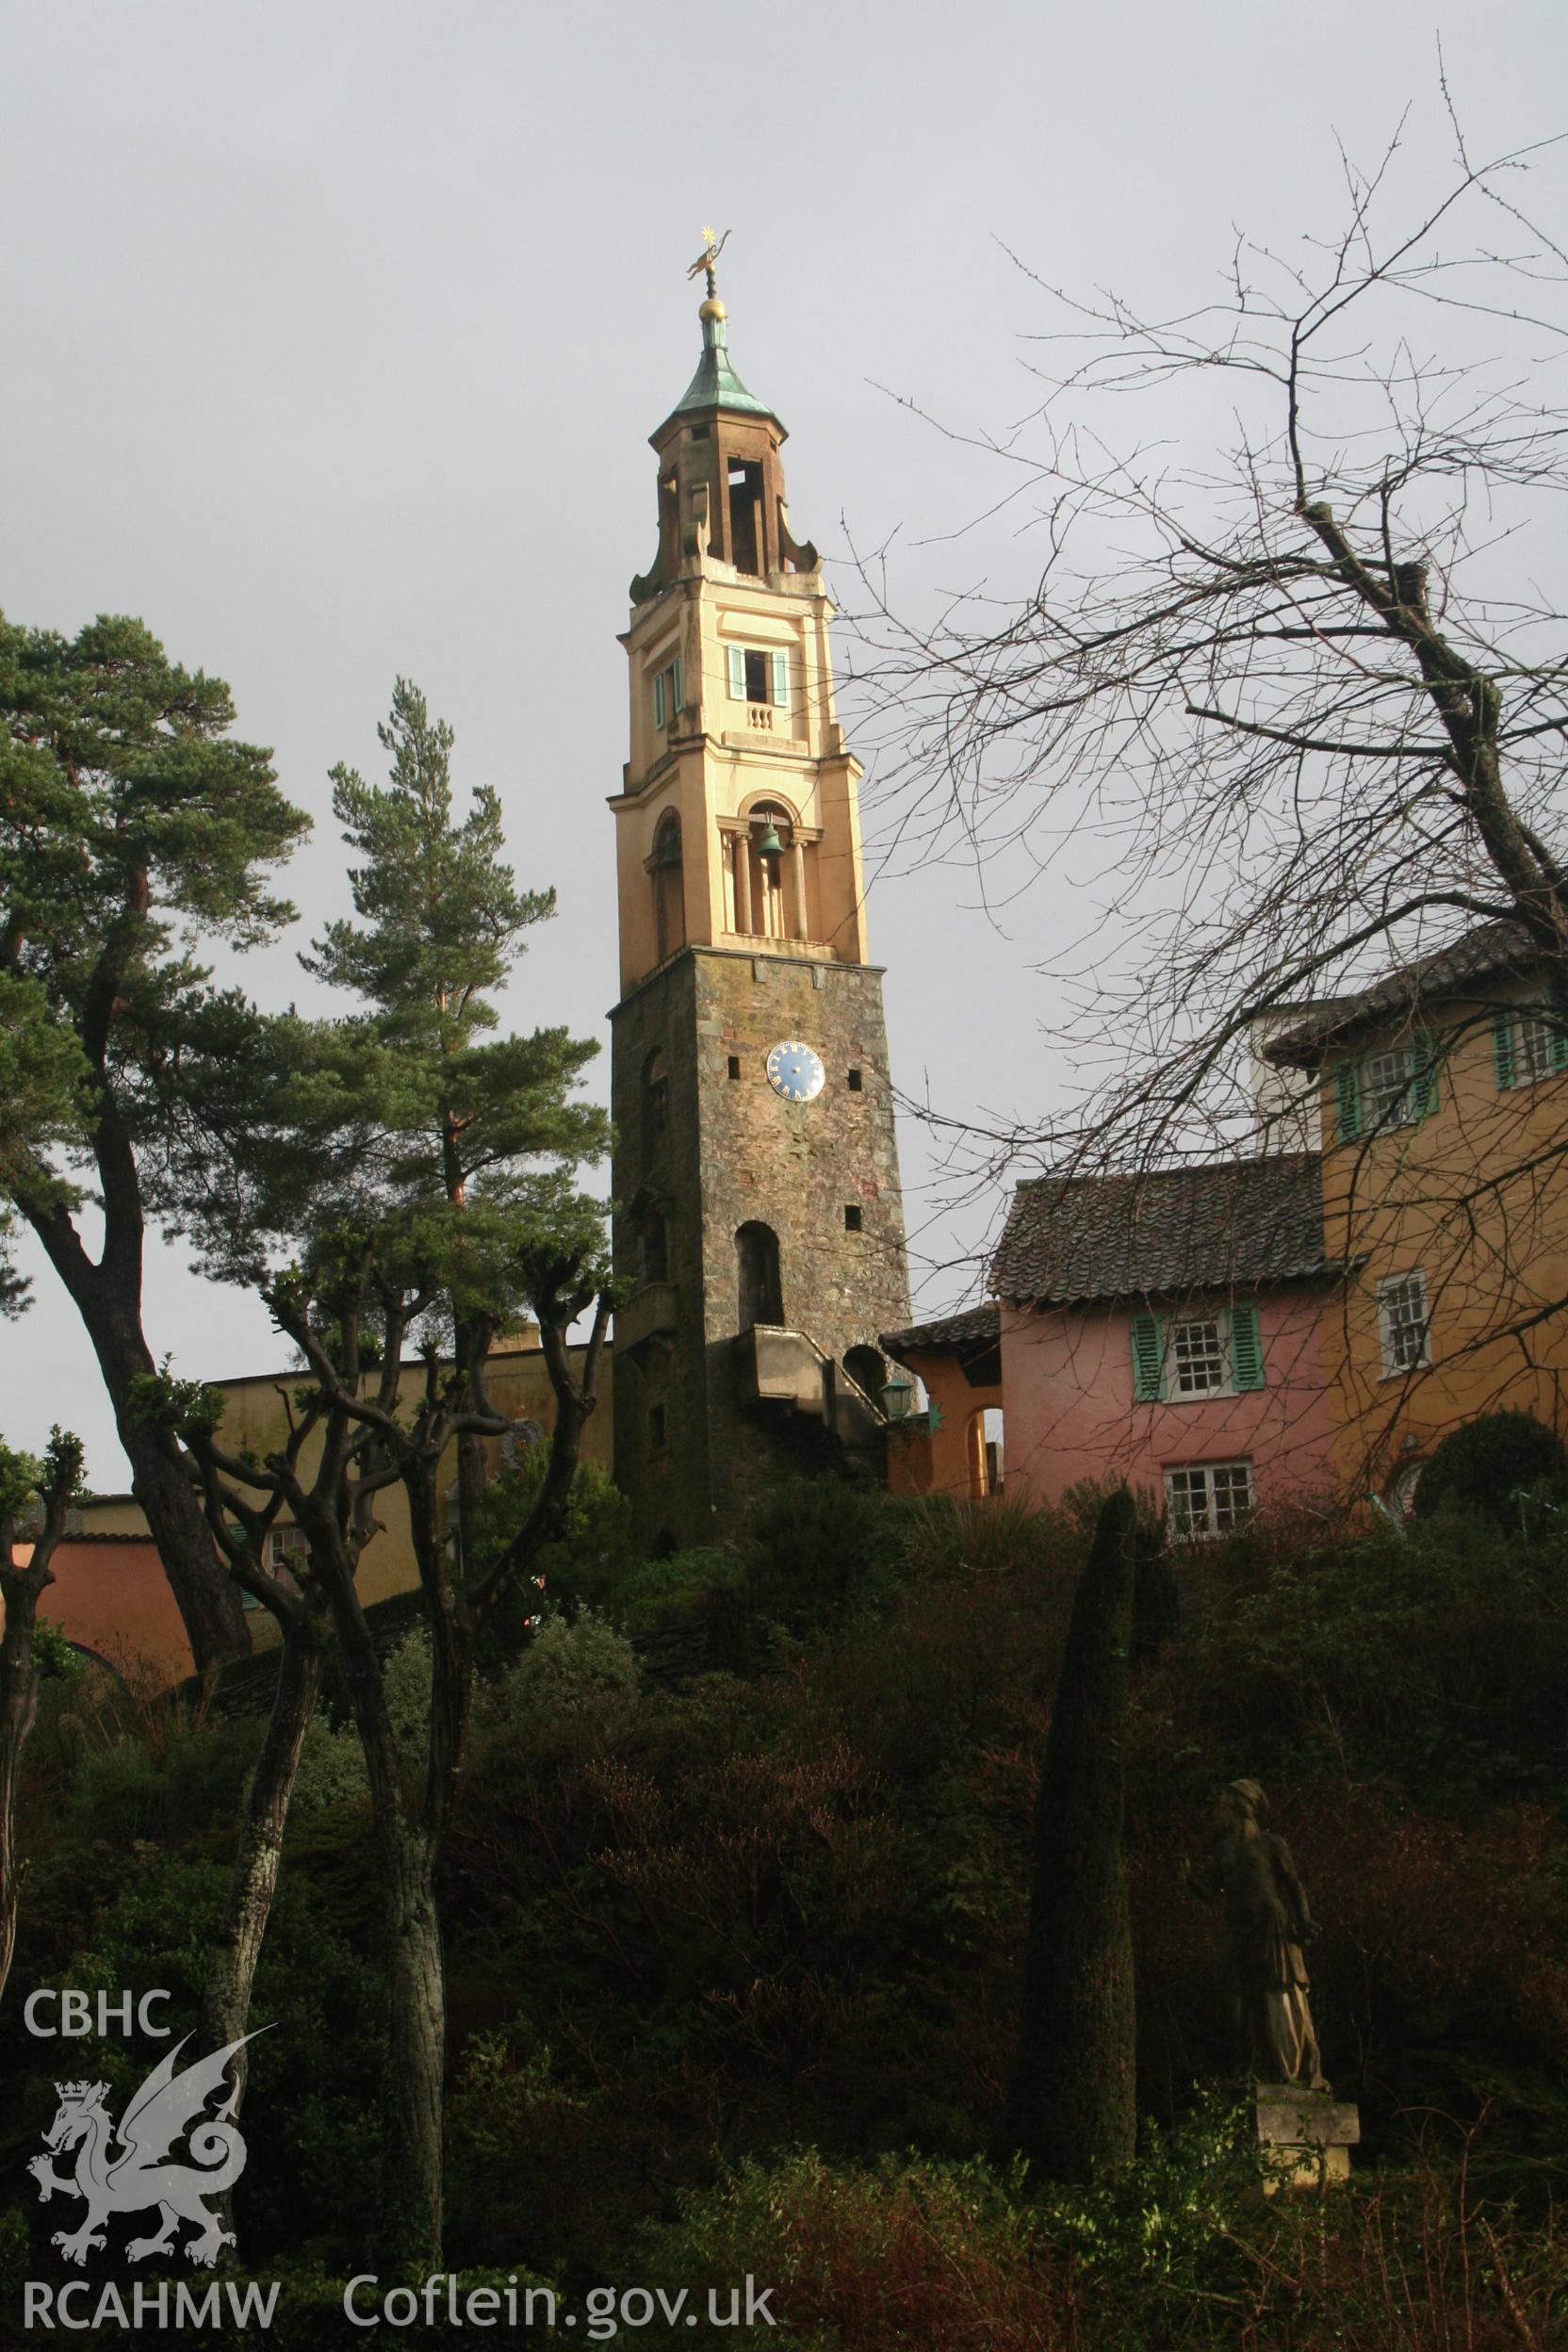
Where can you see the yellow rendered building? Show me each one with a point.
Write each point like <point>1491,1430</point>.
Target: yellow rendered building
<point>255,1417</point>
<point>1442,1098</point>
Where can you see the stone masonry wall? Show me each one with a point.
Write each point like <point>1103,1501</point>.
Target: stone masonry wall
<point>731,1150</point>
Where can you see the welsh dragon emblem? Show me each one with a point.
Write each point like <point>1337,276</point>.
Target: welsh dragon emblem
<point>126,2178</point>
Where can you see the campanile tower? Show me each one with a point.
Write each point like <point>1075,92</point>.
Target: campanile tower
<point>758,1229</point>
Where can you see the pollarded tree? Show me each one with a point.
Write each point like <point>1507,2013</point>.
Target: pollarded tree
<point>132,825</point>
<point>1297,695</point>
<point>363,1293</point>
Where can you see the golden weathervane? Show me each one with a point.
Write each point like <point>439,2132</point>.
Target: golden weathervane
<point>703,266</point>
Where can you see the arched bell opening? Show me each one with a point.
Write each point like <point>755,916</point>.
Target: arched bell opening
<point>770,874</point>
<point>669,892</point>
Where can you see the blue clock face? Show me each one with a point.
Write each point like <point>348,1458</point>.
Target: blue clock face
<point>795,1072</point>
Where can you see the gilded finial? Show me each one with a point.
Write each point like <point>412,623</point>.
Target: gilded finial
<point>703,267</point>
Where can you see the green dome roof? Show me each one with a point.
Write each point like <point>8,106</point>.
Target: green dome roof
<point>715,383</point>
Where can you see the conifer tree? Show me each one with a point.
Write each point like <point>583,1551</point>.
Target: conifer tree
<point>1071,2105</point>
<point>441,924</point>
<point>131,824</point>
<point>399,1183</point>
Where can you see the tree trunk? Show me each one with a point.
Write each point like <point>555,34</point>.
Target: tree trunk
<point>107,1302</point>
<point>17,1706</point>
<point>1071,2107</point>
<point>413,2215</point>
<point>227,2000</point>
<point>226,2003</point>
<point>412,2126</point>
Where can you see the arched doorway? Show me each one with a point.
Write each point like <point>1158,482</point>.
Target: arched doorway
<point>761,1293</point>
<point>984,1436</point>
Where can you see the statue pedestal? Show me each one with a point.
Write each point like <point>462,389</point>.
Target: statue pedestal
<point>1307,2135</point>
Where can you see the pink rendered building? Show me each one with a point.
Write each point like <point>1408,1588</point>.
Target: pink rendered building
<point>1163,1328</point>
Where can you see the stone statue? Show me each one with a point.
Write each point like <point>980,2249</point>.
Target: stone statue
<point>1267,1922</point>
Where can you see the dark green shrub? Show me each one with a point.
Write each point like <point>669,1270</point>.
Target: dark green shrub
<point>1490,1467</point>
<point>695,1602</point>
<point>821,1546</point>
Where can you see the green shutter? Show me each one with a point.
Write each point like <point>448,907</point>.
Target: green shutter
<point>1423,1084</point>
<point>1557,1051</point>
<point>1246,1348</point>
<point>677,684</point>
<point>1148,1359</point>
<point>658,698</point>
<point>780,664</point>
<point>1348,1102</point>
<point>1502,1050</point>
<point>736,659</point>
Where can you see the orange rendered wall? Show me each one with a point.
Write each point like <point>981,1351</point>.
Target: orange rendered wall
<point>112,1596</point>
<point>1474,1196</point>
<point>926,1460</point>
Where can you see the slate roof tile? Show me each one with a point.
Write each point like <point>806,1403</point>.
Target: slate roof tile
<point>973,1327</point>
<point>1486,952</point>
<point>1164,1233</point>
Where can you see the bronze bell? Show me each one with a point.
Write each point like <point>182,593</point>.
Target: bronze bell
<point>770,845</point>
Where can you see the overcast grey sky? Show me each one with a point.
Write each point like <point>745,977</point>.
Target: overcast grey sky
<point>334,335</point>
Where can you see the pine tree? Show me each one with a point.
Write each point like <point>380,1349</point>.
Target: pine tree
<point>132,824</point>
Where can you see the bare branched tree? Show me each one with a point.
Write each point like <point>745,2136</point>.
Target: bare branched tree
<point>1299,695</point>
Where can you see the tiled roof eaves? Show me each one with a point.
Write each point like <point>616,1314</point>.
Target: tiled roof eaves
<point>1328,1272</point>
<point>1167,1232</point>
<point>977,1328</point>
<point>1492,949</point>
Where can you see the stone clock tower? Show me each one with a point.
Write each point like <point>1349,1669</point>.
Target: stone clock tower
<point>759,1231</point>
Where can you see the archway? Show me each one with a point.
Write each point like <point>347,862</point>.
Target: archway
<point>669,895</point>
<point>760,1292</point>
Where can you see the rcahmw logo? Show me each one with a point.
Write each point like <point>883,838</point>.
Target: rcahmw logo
<point>124,2167</point>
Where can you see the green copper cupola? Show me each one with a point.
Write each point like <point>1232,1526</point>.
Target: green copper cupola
<point>721,480</point>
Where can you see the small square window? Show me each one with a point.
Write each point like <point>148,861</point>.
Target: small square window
<point>853,1217</point>
<point>854,1082</point>
<point>734,1064</point>
<point>1402,1323</point>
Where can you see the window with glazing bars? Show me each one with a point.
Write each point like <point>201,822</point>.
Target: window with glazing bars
<point>1207,1499</point>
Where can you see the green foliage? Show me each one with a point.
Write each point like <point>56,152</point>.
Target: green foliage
<point>1493,1467</point>
<point>332,1761</point>
<point>570,1666</point>
<point>819,1547</point>
<point>53,1655</point>
<point>21,1477</point>
<point>1441,1658</point>
<point>588,1563</point>
<point>312,2073</point>
<point>728,1917</point>
<point>904,2252</point>
<point>441,927</point>
<point>442,920</point>
<point>129,817</point>
<point>698,1598</point>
